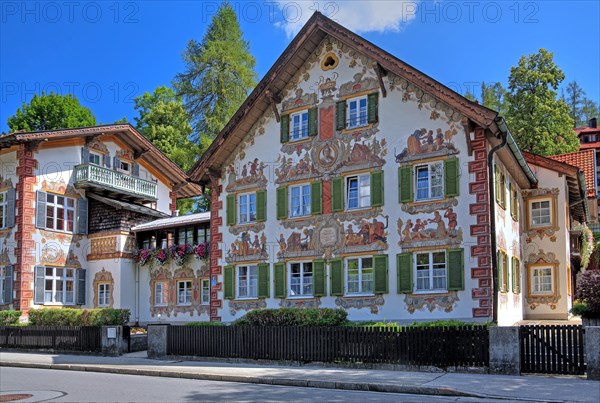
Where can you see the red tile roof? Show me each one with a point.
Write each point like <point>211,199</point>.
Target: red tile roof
<point>587,130</point>
<point>584,160</point>
<point>588,146</point>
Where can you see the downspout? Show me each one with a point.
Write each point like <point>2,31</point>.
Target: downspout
<point>503,134</point>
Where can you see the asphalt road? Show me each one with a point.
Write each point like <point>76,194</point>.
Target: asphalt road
<point>73,386</point>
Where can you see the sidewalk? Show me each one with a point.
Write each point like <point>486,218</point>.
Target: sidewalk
<point>533,388</point>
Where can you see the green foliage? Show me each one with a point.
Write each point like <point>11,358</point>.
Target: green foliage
<point>294,317</point>
<point>588,245</point>
<point>581,108</point>
<point>580,309</point>
<point>204,324</point>
<point>219,73</point>
<point>588,292</point>
<point>437,323</point>
<point>78,317</point>
<point>51,112</point>
<point>493,97</point>
<point>9,318</point>
<point>539,120</point>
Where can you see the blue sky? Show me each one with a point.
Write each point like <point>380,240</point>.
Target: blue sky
<point>108,52</point>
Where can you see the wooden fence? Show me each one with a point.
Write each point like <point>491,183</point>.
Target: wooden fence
<point>62,338</point>
<point>552,349</point>
<point>465,346</point>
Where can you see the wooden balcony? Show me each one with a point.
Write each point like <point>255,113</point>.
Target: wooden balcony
<point>113,183</point>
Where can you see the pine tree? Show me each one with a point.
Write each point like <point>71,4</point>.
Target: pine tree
<point>493,96</point>
<point>574,99</point>
<point>219,73</point>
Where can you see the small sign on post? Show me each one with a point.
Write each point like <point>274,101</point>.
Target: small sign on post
<point>111,333</point>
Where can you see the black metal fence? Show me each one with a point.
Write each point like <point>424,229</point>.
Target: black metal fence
<point>465,346</point>
<point>552,349</point>
<point>62,338</point>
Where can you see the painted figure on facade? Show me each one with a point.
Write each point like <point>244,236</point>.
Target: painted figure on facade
<point>248,245</point>
<point>252,173</point>
<point>424,143</point>
<point>424,230</point>
<point>288,170</point>
<point>366,233</point>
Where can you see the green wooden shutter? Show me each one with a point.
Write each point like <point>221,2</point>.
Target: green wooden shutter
<point>337,194</point>
<point>340,115</point>
<point>404,272</point>
<point>372,107</point>
<point>229,282</point>
<point>516,275</point>
<point>8,285</point>
<point>376,188</point>
<point>451,180</point>
<point>337,277</point>
<point>497,183</point>
<point>456,269</point>
<point>405,184</point>
<point>316,197</point>
<point>380,266</point>
<point>85,155</point>
<point>261,205</point>
<point>285,128</point>
<point>82,216</point>
<point>11,203</point>
<point>40,284</point>
<point>282,203</point>
<point>279,275</point>
<point>135,169</point>
<point>81,286</point>
<point>319,278</point>
<point>264,283</point>
<point>313,122</point>
<point>231,213</point>
<point>40,209</point>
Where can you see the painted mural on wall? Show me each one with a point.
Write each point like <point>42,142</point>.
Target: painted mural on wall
<point>429,143</point>
<point>60,187</point>
<point>247,246</point>
<point>5,183</point>
<point>97,145</point>
<point>432,230</point>
<point>444,302</point>
<point>246,176</point>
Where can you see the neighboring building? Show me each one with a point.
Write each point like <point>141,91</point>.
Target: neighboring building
<point>589,139</point>
<point>350,179</point>
<point>69,199</point>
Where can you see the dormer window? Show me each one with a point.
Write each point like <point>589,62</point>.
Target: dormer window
<point>95,158</point>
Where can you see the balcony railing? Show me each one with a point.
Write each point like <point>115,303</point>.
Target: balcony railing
<point>93,175</point>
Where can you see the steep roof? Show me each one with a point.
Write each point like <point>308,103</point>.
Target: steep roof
<point>584,160</point>
<point>294,56</point>
<point>133,139</point>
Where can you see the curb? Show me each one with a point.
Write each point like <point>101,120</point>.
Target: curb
<point>358,386</point>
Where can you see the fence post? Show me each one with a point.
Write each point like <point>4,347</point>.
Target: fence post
<point>592,352</point>
<point>505,357</point>
<point>157,340</point>
<point>112,339</point>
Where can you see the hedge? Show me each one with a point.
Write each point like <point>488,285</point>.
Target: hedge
<point>9,318</point>
<point>294,317</point>
<point>437,323</point>
<point>78,317</point>
<point>204,324</point>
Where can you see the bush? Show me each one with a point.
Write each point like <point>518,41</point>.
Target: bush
<point>294,317</point>
<point>9,318</point>
<point>437,323</point>
<point>200,324</point>
<point>588,293</point>
<point>580,309</point>
<point>78,317</point>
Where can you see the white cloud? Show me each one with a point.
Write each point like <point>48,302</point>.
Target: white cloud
<point>356,15</point>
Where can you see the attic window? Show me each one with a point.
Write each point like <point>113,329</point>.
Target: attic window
<point>329,62</point>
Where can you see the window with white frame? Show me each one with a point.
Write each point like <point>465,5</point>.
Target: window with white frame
<point>247,281</point>
<point>358,191</point>
<point>59,286</point>
<point>124,166</point>
<point>301,279</point>
<point>431,271</point>
<point>161,293</point>
<point>205,291</point>
<point>95,158</point>
<point>103,294</point>
<point>429,181</point>
<point>184,292</point>
<point>299,201</point>
<point>359,275</point>
<point>357,112</point>
<point>247,208</point>
<point>299,125</point>
<point>60,212</point>
<point>542,280</point>
<point>541,213</point>
<point>3,209</point>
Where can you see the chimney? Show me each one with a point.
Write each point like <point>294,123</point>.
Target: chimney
<point>592,123</point>
<point>176,213</point>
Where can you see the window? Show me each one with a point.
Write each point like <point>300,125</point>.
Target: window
<point>94,158</point>
<point>299,201</point>
<point>299,125</point>
<point>301,279</point>
<point>103,294</point>
<point>161,293</point>
<point>185,236</point>
<point>357,112</point>
<point>360,275</point>
<point>184,292</point>
<point>124,166</point>
<point>500,187</point>
<point>60,212</point>
<point>502,271</point>
<point>59,286</point>
<point>431,271</point>
<point>358,191</point>
<point>205,291</point>
<point>429,181</point>
<point>542,280</point>
<point>247,281</point>
<point>247,208</point>
<point>541,213</point>
<point>3,209</point>
<point>202,234</point>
